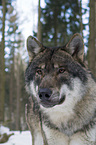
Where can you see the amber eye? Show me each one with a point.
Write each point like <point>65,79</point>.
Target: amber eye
<point>61,70</point>
<point>39,71</point>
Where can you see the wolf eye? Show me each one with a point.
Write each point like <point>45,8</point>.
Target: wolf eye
<point>39,71</point>
<point>61,70</point>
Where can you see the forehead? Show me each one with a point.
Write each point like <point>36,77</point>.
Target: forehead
<point>61,56</point>
<point>57,58</point>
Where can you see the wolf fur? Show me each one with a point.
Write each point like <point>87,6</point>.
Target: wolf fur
<point>62,105</point>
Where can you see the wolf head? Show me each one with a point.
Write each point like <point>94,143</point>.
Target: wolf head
<point>56,75</point>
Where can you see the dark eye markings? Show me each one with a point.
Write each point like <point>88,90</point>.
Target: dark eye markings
<point>40,71</point>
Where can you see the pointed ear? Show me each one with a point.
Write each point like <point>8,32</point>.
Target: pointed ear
<point>76,46</point>
<point>33,47</point>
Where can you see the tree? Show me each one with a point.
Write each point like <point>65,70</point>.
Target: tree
<point>39,36</point>
<point>14,41</point>
<point>11,68</point>
<point>11,18</point>
<point>18,91</point>
<point>2,64</point>
<point>92,37</point>
<point>3,9</point>
<point>60,19</point>
<point>81,23</point>
<point>51,19</point>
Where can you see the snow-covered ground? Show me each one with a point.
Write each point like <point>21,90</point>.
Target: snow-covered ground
<point>19,138</point>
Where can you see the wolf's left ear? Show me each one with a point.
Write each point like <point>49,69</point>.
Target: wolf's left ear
<point>76,47</point>
<point>33,47</point>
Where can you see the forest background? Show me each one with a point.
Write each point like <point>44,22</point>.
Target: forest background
<point>56,22</point>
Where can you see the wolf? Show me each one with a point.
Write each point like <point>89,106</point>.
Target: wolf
<point>61,109</point>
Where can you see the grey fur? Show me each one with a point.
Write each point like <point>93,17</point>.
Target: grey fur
<point>62,103</point>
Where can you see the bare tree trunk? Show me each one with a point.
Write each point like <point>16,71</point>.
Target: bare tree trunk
<point>95,37</point>
<point>81,23</point>
<point>92,38</point>
<point>18,104</point>
<point>2,67</point>
<point>11,93</point>
<point>18,94</point>
<point>55,26</point>
<point>39,36</point>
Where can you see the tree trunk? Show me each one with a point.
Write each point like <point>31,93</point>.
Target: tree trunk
<point>39,36</point>
<point>92,38</point>
<point>18,94</point>
<point>95,37</point>
<point>81,23</point>
<point>55,26</point>
<point>11,93</point>
<point>2,67</point>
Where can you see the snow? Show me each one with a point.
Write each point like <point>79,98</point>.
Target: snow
<point>4,130</point>
<point>19,138</point>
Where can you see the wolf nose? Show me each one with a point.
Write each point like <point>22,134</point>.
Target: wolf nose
<point>44,93</point>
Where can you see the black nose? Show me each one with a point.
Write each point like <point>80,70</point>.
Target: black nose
<point>44,93</point>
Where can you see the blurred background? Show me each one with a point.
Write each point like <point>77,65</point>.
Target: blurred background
<point>53,22</point>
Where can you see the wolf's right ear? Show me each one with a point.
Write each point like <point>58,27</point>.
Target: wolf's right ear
<point>33,47</point>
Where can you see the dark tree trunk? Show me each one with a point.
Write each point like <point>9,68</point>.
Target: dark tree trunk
<point>2,63</point>
<point>92,38</point>
<point>39,36</point>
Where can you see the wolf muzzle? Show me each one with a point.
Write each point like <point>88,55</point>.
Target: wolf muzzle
<point>46,98</point>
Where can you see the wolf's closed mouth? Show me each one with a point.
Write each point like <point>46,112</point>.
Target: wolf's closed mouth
<point>50,103</point>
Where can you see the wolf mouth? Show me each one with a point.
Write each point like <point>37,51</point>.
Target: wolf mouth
<point>50,103</point>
